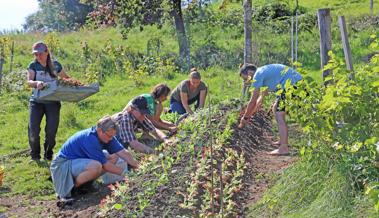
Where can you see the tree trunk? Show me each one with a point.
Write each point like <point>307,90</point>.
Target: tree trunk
<point>184,51</point>
<point>248,31</point>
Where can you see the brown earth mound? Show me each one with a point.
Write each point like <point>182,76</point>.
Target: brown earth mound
<point>252,142</point>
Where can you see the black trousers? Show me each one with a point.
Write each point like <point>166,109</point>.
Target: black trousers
<point>36,113</point>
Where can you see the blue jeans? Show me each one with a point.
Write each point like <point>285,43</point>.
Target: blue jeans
<point>36,113</point>
<point>177,106</point>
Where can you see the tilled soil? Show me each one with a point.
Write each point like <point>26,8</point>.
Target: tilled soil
<point>254,141</point>
<point>84,206</point>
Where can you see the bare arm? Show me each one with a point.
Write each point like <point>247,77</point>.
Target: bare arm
<point>112,168</point>
<point>31,82</point>
<point>260,100</point>
<point>127,157</point>
<point>158,122</point>
<point>63,74</point>
<point>184,99</point>
<point>160,135</point>
<point>252,106</point>
<point>203,95</point>
<point>138,146</point>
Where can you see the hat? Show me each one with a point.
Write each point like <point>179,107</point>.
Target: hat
<point>246,67</point>
<point>140,103</point>
<point>39,47</point>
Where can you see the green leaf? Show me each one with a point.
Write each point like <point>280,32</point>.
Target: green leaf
<point>374,45</point>
<point>375,84</point>
<point>118,206</point>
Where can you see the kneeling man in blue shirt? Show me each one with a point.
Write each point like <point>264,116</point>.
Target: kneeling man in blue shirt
<point>87,155</point>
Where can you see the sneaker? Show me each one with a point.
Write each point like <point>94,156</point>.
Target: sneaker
<point>34,160</point>
<point>65,201</point>
<point>88,187</point>
<point>48,157</point>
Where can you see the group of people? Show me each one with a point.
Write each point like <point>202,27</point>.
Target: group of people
<point>95,151</point>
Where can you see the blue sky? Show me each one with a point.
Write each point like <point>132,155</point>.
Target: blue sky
<point>13,12</point>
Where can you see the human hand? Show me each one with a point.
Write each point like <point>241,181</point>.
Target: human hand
<point>168,141</point>
<point>243,122</point>
<point>135,167</point>
<point>173,130</point>
<point>148,150</point>
<point>40,85</point>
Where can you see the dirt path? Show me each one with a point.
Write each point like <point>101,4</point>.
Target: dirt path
<point>254,141</point>
<point>84,206</point>
<point>257,138</point>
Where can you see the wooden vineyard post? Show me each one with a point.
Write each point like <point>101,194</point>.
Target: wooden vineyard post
<point>292,47</point>
<point>345,43</point>
<point>1,64</point>
<point>324,23</point>
<point>12,55</point>
<point>211,147</point>
<point>371,7</point>
<point>221,193</point>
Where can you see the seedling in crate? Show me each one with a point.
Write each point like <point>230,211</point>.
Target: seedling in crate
<point>69,82</point>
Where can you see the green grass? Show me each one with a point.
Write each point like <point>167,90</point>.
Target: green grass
<point>314,189</point>
<point>116,92</point>
<point>309,189</point>
<point>338,8</point>
<point>113,96</point>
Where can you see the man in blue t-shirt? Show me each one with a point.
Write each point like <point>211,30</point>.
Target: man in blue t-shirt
<point>82,158</point>
<point>272,77</point>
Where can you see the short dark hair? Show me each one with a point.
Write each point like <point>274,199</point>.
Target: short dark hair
<point>246,67</point>
<point>159,90</point>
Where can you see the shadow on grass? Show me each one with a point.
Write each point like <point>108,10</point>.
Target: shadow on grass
<point>4,190</point>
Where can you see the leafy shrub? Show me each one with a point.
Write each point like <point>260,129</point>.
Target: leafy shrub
<point>343,115</point>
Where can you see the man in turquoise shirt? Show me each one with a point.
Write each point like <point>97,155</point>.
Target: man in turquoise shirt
<point>273,77</point>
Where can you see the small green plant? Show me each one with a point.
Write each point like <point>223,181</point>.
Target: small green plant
<point>53,42</point>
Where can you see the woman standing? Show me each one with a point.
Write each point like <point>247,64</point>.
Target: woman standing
<point>188,92</point>
<point>41,71</point>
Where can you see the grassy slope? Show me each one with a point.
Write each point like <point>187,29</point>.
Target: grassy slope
<point>117,91</point>
<point>316,188</point>
<point>112,98</point>
<point>338,7</point>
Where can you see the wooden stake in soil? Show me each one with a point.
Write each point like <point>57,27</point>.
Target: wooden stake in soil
<point>11,62</point>
<point>324,25</point>
<point>345,43</point>
<point>221,193</point>
<point>211,146</point>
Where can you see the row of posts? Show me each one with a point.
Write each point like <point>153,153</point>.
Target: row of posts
<point>324,23</point>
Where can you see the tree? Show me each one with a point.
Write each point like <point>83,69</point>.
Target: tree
<point>57,15</point>
<point>132,13</point>
<point>248,29</point>
<point>184,51</point>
